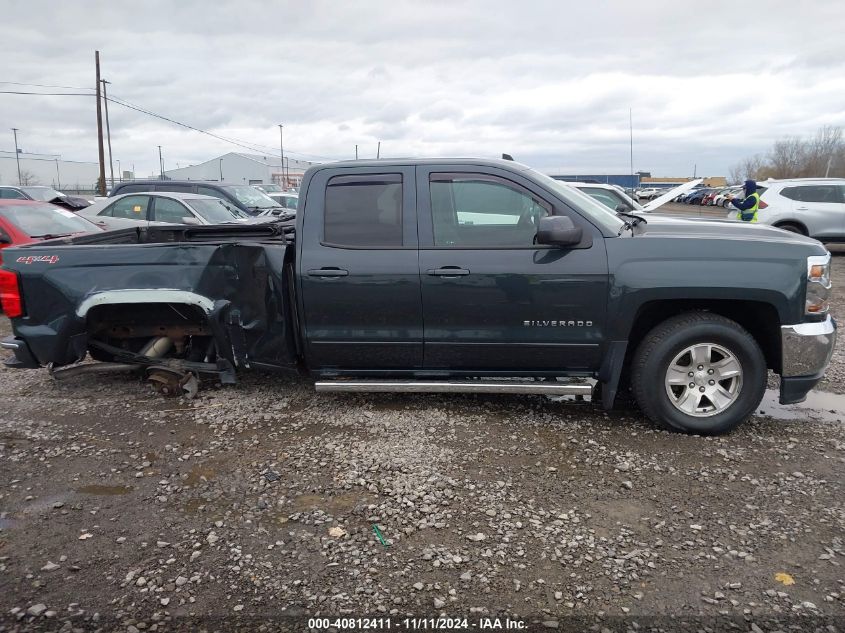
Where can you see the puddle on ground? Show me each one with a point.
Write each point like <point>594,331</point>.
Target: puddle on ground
<point>8,524</point>
<point>199,474</point>
<point>337,503</point>
<point>819,405</point>
<point>104,491</point>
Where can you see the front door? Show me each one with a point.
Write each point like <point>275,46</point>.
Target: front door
<point>359,272</point>
<point>492,298</point>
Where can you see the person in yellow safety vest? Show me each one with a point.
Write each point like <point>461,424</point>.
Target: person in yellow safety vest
<point>749,204</point>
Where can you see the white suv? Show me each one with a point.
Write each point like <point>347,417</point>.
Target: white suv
<point>811,206</point>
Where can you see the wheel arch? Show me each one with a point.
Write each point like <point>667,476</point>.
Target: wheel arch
<point>759,318</point>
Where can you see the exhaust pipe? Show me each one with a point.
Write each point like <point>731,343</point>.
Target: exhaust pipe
<point>157,347</point>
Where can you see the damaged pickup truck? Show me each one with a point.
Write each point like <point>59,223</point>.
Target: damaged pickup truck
<point>441,276</point>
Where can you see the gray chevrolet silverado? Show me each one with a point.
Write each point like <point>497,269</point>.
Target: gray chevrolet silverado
<point>441,276</point>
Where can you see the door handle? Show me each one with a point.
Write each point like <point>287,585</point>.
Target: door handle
<point>800,208</point>
<point>448,271</point>
<point>328,272</point>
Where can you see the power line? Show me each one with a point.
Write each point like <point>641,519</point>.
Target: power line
<point>261,149</point>
<point>18,83</point>
<point>47,94</point>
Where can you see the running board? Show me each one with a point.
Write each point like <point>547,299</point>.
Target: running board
<point>441,386</point>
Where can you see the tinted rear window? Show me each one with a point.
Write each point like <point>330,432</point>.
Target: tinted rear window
<point>364,210</point>
<point>813,193</point>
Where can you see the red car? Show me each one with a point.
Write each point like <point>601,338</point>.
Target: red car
<point>25,221</point>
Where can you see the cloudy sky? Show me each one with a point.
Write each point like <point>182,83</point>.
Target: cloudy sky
<point>549,82</point>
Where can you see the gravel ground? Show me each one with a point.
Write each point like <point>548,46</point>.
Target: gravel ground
<point>120,510</point>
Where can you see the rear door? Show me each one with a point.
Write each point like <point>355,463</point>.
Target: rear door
<point>359,271</point>
<point>820,208</point>
<point>492,298</point>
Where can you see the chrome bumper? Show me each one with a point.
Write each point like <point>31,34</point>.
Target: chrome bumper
<point>807,347</point>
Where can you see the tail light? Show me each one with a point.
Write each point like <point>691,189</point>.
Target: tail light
<point>762,205</point>
<point>10,294</point>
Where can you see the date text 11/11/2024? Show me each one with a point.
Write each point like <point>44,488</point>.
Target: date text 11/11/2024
<point>415,624</point>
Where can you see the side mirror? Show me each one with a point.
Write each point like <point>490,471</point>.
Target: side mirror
<point>623,208</point>
<point>190,220</point>
<point>558,230</point>
<point>5,239</point>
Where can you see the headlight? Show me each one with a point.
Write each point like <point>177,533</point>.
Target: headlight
<point>818,285</point>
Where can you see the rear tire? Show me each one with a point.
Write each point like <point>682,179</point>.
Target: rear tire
<point>792,228</point>
<point>726,363</point>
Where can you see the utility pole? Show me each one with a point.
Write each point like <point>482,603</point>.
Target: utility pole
<point>378,150</point>
<point>17,155</point>
<point>100,152</point>
<point>119,171</point>
<point>58,176</point>
<point>631,130</point>
<point>827,171</point>
<point>160,164</point>
<point>356,151</point>
<point>108,130</point>
<point>282,155</point>
<point>694,170</point>
<point>220,165</point>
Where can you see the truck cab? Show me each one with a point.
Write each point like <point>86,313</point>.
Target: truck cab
<point>447,275</point>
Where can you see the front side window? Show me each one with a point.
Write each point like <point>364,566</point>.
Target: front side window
<point>476,210</point>
<point>364,211</point>
<point>170,210</point>
<point>130,208</point>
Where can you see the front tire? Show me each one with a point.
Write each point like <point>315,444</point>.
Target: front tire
<point>699,373</point>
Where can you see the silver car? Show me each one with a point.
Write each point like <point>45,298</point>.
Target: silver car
<point>161,207</point>
<point>810,206</point>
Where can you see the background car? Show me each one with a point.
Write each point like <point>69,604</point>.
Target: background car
<point>245,197</point>
<point>139,209</point>
<point>25,221</point>
<point>647,193</point>
<point>610,196</point>
<point>726,195</point>
<point>810,206</point>
<point>43,194</point>
<point>697,195</point>
<point>286,199</point>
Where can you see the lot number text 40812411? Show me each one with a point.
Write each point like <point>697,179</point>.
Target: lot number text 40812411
<point>415,624</point>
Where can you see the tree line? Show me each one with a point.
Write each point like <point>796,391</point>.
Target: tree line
<point>819,156</point>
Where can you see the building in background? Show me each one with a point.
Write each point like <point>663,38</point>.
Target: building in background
<point>50,170</point>
<point>668,183</point>
<point>245,169</point>
<point>626,181</point>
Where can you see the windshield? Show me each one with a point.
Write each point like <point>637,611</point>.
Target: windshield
<point>252,197</point>
<point>610,198</point>
<point>593,210</point>
<point>45,194</point>
<point>215,211</point>
<point>44,219</point>
<point>271,188</point>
